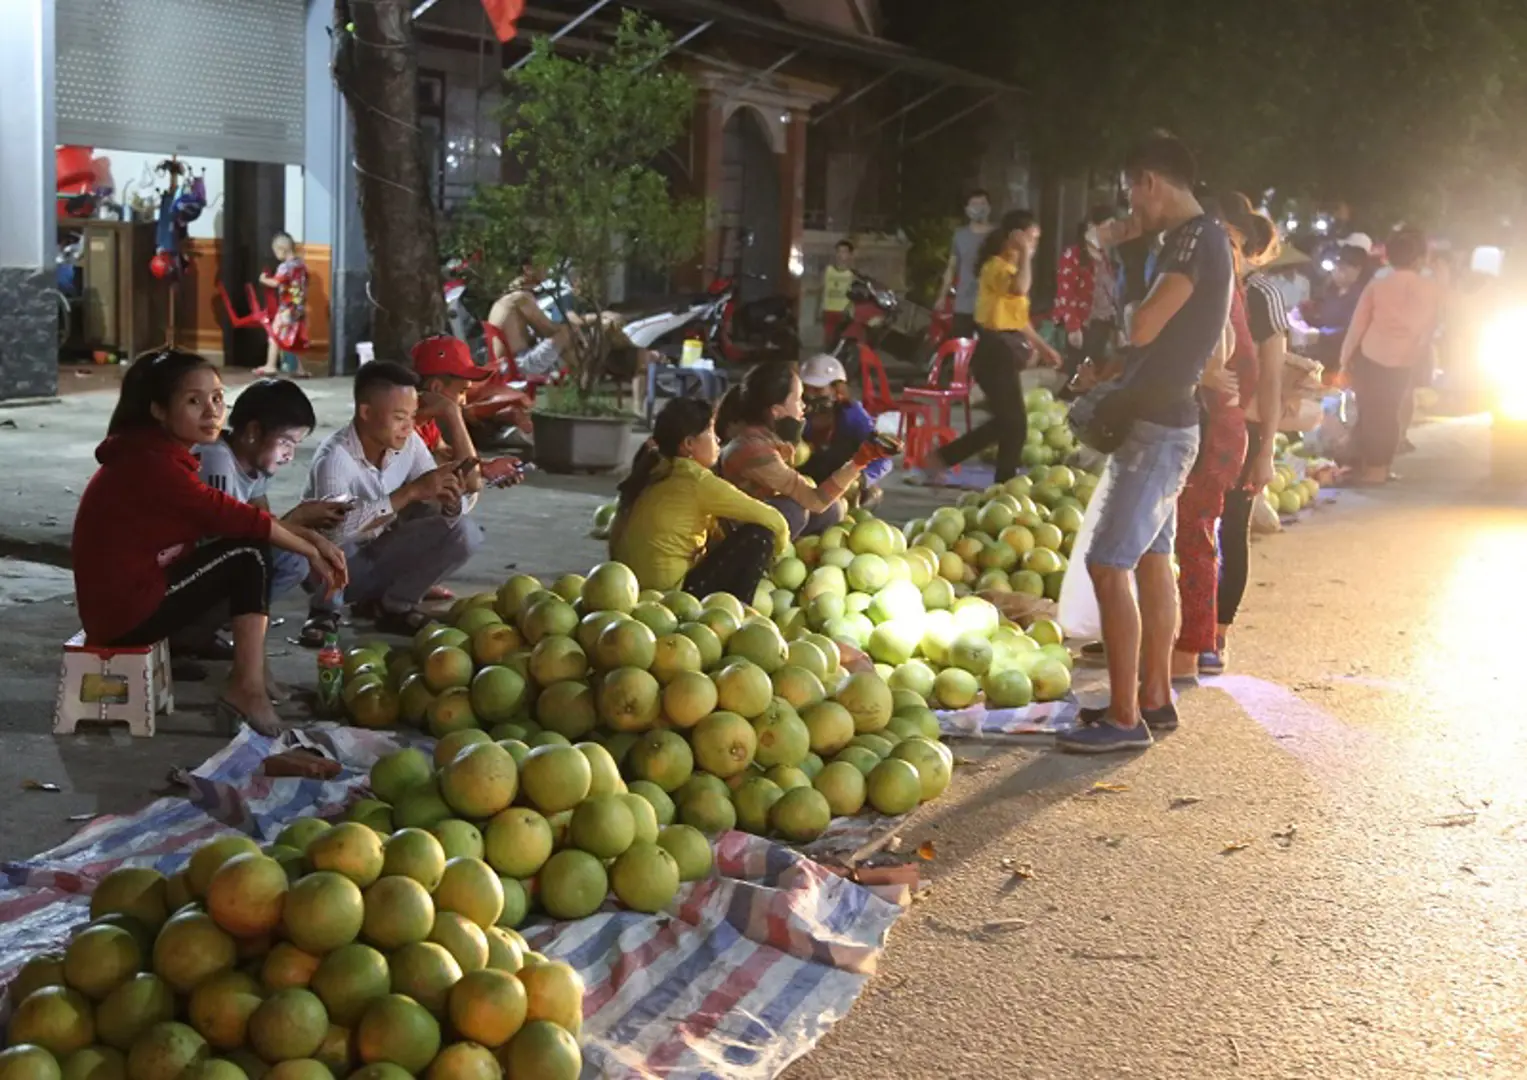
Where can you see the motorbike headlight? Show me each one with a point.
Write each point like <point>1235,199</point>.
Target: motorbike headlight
<point>1503,362</point>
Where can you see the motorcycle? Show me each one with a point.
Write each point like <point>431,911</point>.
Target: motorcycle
<point>748,332</point>
<point>871,309</point>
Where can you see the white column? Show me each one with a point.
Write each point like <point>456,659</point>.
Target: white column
<point>28,338</point>
<point>26,133</point>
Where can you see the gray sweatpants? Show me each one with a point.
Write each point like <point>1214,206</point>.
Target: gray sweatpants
<point>398,567</point>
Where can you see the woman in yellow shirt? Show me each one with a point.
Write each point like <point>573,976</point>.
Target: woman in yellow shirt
<point>671,504</point>
<point>1005,343</point>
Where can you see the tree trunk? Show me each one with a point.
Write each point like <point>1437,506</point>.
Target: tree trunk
<point>376,70</point>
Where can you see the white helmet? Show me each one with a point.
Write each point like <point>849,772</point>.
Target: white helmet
<point>823,370</point>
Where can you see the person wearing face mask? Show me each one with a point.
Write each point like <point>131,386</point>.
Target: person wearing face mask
<point>836,426</point>
<point>672,505</point>
<point>963,273</point>
<point>763,420</point>
<point>1086,294</point>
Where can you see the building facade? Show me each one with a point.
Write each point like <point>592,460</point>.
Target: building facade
<point>800,110</point>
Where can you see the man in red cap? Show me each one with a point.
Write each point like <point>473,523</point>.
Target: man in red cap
<point>446,369</point>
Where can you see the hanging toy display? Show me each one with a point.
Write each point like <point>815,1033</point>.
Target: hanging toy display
<point>180,204</point>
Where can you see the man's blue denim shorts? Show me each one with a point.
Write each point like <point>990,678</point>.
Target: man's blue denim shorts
<point>1139,513</point>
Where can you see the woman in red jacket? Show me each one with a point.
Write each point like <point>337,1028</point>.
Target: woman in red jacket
<point>1087,295</point>
<point>156,550</point>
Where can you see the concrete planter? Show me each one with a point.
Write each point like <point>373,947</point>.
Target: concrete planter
<point>567,444</point>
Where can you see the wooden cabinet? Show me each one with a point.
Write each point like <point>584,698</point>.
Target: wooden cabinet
<point>120,306</point>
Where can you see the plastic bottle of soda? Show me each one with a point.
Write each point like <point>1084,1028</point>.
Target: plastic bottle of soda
<point>331,676</point>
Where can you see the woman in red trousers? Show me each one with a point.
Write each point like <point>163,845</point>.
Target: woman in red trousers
<point>1221,458</point>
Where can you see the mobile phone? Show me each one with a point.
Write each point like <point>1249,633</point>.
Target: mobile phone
<point>889,443</point>
<point>345,503</point>
<point>464,467</point>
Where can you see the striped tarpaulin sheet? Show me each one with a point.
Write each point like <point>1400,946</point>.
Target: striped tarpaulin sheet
<point>738,978</point>
<point>1042,720</point>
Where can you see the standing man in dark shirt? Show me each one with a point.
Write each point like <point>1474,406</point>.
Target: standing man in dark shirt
<point>1180,324</point>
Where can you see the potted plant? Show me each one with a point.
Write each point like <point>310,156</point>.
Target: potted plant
<point>584,134</point>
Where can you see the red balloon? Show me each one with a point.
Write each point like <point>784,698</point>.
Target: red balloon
<point>162,265</point>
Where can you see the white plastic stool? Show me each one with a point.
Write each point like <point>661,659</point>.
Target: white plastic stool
<point>123,686</point>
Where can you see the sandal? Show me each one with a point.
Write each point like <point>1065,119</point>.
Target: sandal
<point>402,623</point>
<point>234,716</point>
<point>319,625</point>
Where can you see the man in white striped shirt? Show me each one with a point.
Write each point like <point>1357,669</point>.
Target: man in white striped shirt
<point>408,526</point>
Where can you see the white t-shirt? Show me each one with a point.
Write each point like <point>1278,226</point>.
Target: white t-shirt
<point>340,468</point>
<point>221,470</point>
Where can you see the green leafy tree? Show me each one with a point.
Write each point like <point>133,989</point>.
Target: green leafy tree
<point>588,202</point>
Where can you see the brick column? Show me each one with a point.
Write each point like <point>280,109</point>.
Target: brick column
<point>792,197</point>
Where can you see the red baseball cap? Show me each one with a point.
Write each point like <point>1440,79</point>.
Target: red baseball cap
<point>447,356</point>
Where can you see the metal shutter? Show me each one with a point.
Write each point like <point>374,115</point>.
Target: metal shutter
<point>208,78</point>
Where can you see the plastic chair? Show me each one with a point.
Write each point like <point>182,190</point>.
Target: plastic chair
<point>922,434</point>
<point>507,365</point>
<point>124,686</point>
<point>960,351</point>
<point>877,388</point>
<point>260,315</point>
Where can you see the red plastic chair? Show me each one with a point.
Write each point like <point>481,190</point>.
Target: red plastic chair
<point>960,350</point>
<point>501,356</point>
<point>921,434</point>
<point>260,315</point>
<point>877,388</point>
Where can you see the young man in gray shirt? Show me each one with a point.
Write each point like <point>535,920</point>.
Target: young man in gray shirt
<point>962,274</point>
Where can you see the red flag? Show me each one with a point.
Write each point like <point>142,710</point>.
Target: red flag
<point>503,14</point>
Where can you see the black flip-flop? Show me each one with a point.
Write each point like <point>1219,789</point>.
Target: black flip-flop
<point>319,625</point>
<point>402,623</point>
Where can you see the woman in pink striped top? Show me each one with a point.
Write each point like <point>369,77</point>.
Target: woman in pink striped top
<point>1390,337</point>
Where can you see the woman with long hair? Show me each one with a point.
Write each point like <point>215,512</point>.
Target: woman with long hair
<point>1221,458</point>
<point>1268,322</point>
<point>156,550</point>
<point>671,507</point>
<point>763,420</point>
<point>1005,343</point>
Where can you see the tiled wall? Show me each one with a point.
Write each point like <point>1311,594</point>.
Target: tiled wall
<point>28,334</point>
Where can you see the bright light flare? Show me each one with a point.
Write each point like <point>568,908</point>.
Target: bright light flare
<point>797,261</point>
<point>1503,361</point>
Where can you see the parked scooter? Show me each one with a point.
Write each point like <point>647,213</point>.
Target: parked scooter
<point>752,331</point>
<point>871,309</point>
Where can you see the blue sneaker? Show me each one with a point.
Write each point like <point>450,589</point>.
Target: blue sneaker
<point>1103,738</point>
<point>1211,663</point>
<point>1162,719</point>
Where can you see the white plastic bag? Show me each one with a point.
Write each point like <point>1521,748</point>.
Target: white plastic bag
<point>1078,609</point>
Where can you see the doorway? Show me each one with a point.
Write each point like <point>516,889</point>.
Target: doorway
<point>752,235</point>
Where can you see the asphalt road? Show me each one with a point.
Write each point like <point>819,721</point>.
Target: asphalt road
<point>1367,750</point>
